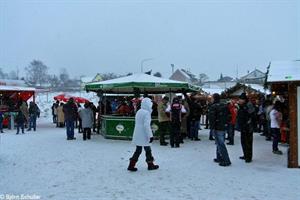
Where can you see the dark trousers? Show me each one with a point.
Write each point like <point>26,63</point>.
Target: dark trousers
<point>194,128</point>
<point>138,151</point>
<point>267,129</point>
<point>247,144</point>
<point>32,122</point>
<point>20,125</point>
<point>94,124</point>
<point>206,122</point>
<point>86,133</point>
<point>276,134</point>
<point>164,128</point>
<point>230,131</point>
<point>79,126</point>
<point>70,128</point>
<point>175,133</point>
<point>54,119</point>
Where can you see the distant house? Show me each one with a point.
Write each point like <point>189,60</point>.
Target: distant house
<point>85,79</point>
<point>219,85</point>
<point>184,76</point>
<point>12,82</point>
<point>256,77</point>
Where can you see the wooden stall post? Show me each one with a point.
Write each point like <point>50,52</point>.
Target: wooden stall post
<point>293,151</point>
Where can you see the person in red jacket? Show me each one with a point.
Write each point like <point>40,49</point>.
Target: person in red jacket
<point>231,125</point>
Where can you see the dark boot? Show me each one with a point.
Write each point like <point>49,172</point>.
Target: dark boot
<point>152,166</point>
<point>131,166</point>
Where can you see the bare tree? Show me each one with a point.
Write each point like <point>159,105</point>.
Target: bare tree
<point>109,76</point>
<point>202,78</point>
<point>54,81</point>
<point>36,73</point>
<point>157,74</point>
<point>13,75</point>
<point>64,77</point>
<point>2,75</point>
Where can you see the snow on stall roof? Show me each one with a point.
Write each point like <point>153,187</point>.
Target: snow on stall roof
<point>259,88</point>
<point>137,78</point>
<point>213,90</point>
<point>282,71</point>
<point>15,88</point>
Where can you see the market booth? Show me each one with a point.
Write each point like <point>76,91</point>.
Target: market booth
<point>9,97</point>
<point>284,79</point>
<point>121,127</point>
<point>252,91</point>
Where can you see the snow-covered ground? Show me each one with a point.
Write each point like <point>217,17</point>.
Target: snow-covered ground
<point>44,163</point>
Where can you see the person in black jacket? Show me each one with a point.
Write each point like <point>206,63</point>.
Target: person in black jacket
<point>70,112</point>
<point>34,113</point>
<point>194,116</point>
<point>219,117</point>
<point>245,116</point>
<point>20,121</point>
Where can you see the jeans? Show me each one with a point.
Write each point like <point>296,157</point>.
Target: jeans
<point>222,153</point>
<point>70,129</point>
<point>194,129</point>
<point>32,122</point>
<point>138,151</point>
<point>231,133</point>
<point>275,133</point>
<point>1,125</point>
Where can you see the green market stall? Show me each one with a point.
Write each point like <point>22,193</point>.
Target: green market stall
<point>121,127</point>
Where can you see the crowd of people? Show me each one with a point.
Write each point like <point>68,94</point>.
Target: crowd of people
<point>180,120</point>
<point>26,116</point>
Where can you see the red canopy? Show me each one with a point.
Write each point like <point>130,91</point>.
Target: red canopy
<point>80,100</point>
<point>63,97</point>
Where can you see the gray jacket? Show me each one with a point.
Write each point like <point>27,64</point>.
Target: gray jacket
<point>87,117</point>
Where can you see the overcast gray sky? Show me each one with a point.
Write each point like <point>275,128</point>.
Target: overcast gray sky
<point>87,37</point>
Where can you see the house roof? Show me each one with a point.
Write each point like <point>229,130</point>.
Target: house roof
<point>284,71</point>
<point>254,75</point>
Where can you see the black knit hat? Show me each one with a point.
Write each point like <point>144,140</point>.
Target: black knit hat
<point>243,96</point>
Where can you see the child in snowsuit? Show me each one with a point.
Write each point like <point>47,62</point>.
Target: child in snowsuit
<point>142,136</point>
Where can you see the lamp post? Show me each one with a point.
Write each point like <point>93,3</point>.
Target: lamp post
<point>142,62</point>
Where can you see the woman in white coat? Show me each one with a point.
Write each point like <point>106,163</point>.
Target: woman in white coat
<point>142,136</point>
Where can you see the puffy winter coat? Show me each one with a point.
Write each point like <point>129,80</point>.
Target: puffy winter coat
<point>87,117</point>
<point>142,129</point>
<point>70,111</point>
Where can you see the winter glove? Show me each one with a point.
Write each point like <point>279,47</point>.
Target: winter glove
<point>151,139</point>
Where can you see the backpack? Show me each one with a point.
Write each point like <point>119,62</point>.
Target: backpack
<point>176,112</point>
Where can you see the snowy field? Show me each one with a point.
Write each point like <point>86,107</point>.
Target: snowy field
<point>44,163</point>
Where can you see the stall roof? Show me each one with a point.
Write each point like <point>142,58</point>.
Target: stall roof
<point>284,71</point>
<point>142,82</point>
<point>16,88</point>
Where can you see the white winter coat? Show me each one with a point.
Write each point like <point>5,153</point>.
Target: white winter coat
<point>142,129</point>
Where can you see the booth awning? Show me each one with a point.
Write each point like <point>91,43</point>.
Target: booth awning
<point>142,83</point>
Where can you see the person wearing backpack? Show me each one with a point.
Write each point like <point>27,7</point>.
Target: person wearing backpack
<point>219,116</point>
<point>175,112</point>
